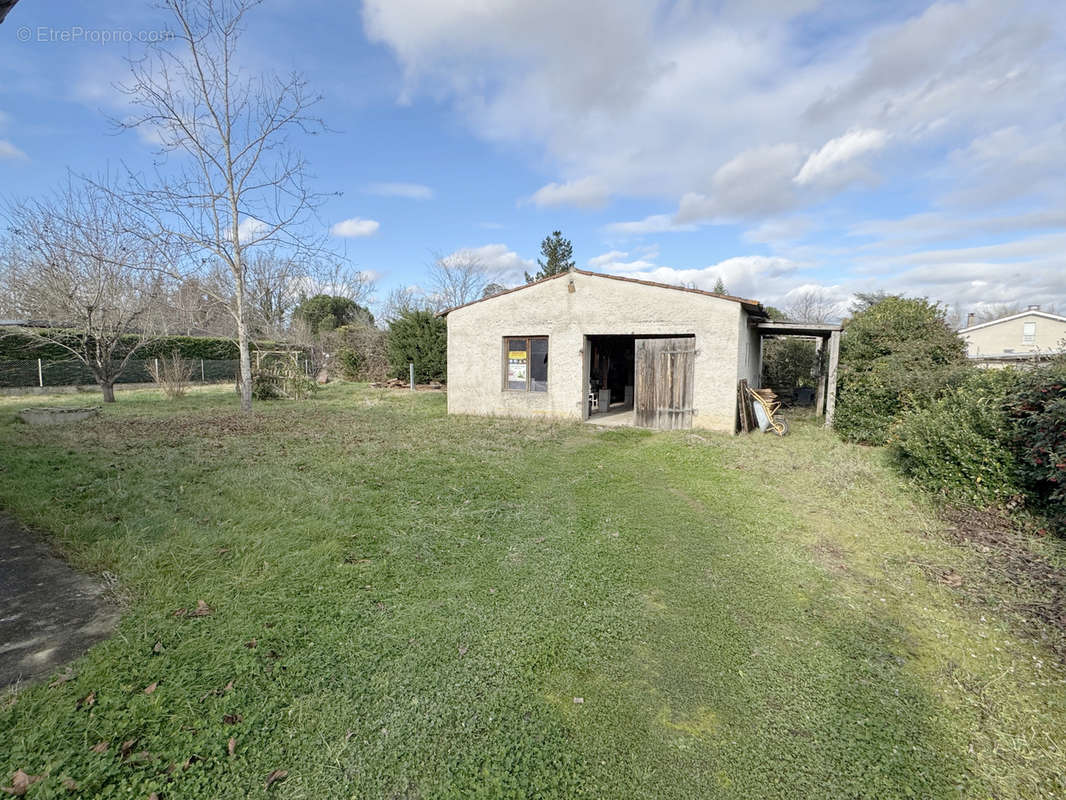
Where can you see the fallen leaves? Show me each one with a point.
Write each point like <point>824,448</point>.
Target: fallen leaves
<point>951,578</point>
<point>275,776</point>
<point>67,675</point>
<point>252,643</point>
<point>70,784</point>
<point>231,746</point>
<point>127,748</point>
<point>462,650</point>
<point>158,648</point>
<point>202,610</point>
<point>232,719</point>
<point>151,687</point>
<point>100,747</point>
<point>227,688</point>
<point>20,782</point>
<point>87,701</point>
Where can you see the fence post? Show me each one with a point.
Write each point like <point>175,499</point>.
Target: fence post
<point>411,366</point>
<point>203,379</point>
<point>40,374</point>
<point>156,360</point>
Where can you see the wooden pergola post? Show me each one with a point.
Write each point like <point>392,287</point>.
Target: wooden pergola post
<point>831,378</point>
<point>819,389</point>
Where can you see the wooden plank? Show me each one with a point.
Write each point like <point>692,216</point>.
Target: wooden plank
<point>644,378</point>
<point>831,378</point>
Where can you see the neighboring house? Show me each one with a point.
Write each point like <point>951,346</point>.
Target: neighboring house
<point>1019,337</point>
<point>581,345</point>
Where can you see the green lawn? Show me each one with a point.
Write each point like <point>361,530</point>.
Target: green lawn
<point>429,597</point>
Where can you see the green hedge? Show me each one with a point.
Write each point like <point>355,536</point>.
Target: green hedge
<point>958,446</point>
<point>1037,414</point>
<point>15,346</point>
<point>998,437</point>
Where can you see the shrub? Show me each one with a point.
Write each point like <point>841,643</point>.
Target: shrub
<point>420,337</point>
<point>350,363</point>
<point>172,372</point>
<point>362,353</point>
<point>958,446</point>
<point>1037,415</point>
<point>898,353</point>
<point>281,380</point>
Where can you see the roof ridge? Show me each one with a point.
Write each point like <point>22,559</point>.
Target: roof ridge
<point>755,304</point>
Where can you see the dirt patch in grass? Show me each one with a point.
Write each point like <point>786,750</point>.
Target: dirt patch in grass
<point>830,556</point>
<point>1038,584</point>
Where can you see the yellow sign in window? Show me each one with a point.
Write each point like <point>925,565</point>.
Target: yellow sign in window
<point>517,354</point>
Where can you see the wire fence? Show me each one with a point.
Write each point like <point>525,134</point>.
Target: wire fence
<point>34,372</point>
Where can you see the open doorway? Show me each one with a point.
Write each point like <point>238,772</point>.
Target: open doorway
<point>610,372</point>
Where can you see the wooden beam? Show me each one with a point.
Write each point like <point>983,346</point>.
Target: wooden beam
<point>831,378</point>
<point>819,389</point>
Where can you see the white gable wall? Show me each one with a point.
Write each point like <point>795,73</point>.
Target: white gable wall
<point>597,306</point>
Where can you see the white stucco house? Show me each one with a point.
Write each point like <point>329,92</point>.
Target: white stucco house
<point>582,345</point>
<point>1018,337</point>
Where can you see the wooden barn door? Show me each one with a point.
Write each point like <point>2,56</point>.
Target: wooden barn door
<point>664,381</point>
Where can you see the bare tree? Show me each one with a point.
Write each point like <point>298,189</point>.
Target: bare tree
<point>400,301</point>
<point>811,305</point>
<point>457,279</point>
<point>71,259</point>
<point>995,311</point>
<point>236,184</point>
<point>337,278</point>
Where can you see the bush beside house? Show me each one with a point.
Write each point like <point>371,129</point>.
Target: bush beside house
<point>897,354</point>
<point>421,338</point>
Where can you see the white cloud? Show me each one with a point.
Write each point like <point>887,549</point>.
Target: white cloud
<point>656,223</point>
<point>410,191</point>
<point>754,183</point>
<point>498,259</point>
<point>250,229</point>
<point>9,151</point>
<point>834,161</point>
<point>614,262</point>
<point>590,192</point>
<point>355,227</point>
<point>734,110</point>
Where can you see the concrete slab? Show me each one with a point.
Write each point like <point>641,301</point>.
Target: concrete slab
<point>49,612</point>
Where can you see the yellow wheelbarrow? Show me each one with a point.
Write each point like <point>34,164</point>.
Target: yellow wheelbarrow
<point>766,406</point>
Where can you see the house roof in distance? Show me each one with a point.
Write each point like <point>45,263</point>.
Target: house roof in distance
<point>751,305</point>
<point>1019,315</point>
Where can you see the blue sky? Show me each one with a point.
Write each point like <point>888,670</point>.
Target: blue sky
<point>778,144</point>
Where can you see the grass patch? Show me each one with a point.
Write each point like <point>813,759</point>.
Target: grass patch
<point>409,605</point>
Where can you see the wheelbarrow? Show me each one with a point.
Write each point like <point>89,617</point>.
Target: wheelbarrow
<point>766,407</point>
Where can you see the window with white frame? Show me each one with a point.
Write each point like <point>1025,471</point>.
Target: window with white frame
<point>1029,333</point>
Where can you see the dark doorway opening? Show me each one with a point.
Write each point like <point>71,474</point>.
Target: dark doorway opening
<point>610,374</point>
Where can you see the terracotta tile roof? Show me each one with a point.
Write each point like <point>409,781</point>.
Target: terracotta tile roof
<point>751,305</point>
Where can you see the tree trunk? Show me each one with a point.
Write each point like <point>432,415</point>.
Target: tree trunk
<point>246,362</point>
<point>108,388</point>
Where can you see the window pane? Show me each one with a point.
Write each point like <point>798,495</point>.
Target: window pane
<point>517,364</point>
<point>1028,332</point>
<point>538,365</point>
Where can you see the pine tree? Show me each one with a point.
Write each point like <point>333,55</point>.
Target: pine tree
<point>558,257</point>
<point>719,287</point>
